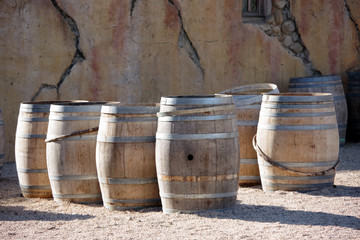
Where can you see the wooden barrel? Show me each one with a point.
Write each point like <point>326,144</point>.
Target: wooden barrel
<point>30,149</point>
<point>2,142</point>
<point>125,156</point>
<point>247,100</point>
<point>326,84</point>
<point>353,100</point>
<point>297,141</point>
<point>70,151</point>
<point>197,153</point>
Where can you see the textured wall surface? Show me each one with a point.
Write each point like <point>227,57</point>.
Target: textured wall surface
<point>138,51</point>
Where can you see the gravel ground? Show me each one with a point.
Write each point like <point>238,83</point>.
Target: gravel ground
<point>331,213</point>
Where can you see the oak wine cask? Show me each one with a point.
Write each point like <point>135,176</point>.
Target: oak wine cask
<point>247,100</point>
<point>197,153</point>
<point>125,156</point>
<point>297,141</point>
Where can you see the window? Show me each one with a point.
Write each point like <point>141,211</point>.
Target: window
<point>255,10</point>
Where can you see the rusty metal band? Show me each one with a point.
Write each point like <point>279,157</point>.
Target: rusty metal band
<point>249,161</point>
<point>34,108</point>
<point>125,139</point>
<point>73,177</point>
<point>209,136</point>
<point>300,114</point>
<point>25,119</point>
<point>126,181</point>
<point>265,105</point>
<point>73,118</point>
<point>297,99</point>
<point>299,178</point>
<point>166,178</point>
<point>253,178</point>
<point>196,118</point>
<point>315,85</point>
<point>297,127</point>
<point>198,195</point>
<point>136,201</point>
<point>64,196</point>
<point>35,136</point>
<point>247,123</point>
<point>36,187</point>
<point>26,170</point>
<point>304,164</point>
<point>298,186</point>
<point>114,120</point>
<point>197,100</point>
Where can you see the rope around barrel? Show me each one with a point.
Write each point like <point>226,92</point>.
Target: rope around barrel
<point>95,129</point>
<point>195,110</point>
<point>277,165</point>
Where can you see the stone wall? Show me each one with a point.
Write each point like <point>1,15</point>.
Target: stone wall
<point>140,50</point>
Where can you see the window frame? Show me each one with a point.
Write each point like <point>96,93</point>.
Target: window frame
<point>264,10</point>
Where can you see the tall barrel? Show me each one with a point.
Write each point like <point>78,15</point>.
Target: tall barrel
<point>30,149</point>
<point>326,84</point>
<point>2,142</point>
<point>125,156</point>
<point>70,151</point>
<point>247,101</point>
<point>297,141</point>
<point>353,100</point>
<point>197,153</point>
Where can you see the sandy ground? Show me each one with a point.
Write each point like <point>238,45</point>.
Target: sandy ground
<point>331,213</point>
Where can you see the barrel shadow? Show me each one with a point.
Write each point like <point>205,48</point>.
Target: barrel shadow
<point>275,214</point>
<point>20,214</point>
<point>336,191</point>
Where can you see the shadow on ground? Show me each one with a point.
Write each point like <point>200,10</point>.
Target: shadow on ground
<point>275,214</point>
<point>21,214</point>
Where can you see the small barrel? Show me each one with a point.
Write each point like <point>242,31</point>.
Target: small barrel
<point>353,101</point>
<point>70,151</point>
<point>125,156</point>
<point>30,149</point>
<point>2,142</point>
<point>326,84</point>
<point>197,153</point>
<point>247,100</point>
<point>297,141</point>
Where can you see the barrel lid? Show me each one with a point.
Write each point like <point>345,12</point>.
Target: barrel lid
<point>126,108</point>
<point>298,97</point>
<point>311,79</point>
<point>77,107</point>
<point>42,106</point>
<point>215,99</point>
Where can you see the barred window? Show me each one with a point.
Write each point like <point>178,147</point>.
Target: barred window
<point>255,10</point>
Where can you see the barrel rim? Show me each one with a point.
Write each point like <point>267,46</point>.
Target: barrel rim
<point>201,99</point>
<point>298,97</point>
<point>81,103</point>
<point>241,90</point>
<point>130,108</point>
<point>307,79</point>
<point>77,107</point>
<point>48,102</point>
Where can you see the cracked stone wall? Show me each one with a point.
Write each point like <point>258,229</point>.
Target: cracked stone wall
<point>138,51</point>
